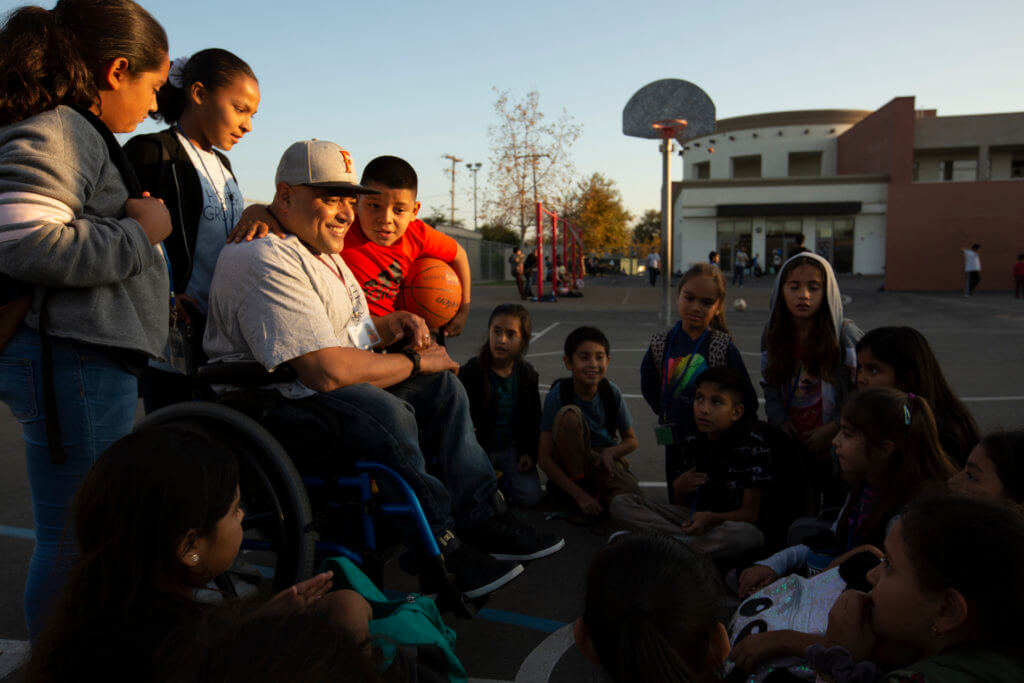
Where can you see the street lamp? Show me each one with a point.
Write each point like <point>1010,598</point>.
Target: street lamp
<point>475,168</point>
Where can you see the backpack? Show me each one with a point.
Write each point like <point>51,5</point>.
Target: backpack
<point>609,402</point>
<point>410,630</point>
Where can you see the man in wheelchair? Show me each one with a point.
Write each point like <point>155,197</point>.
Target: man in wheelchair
<point>293,301</point>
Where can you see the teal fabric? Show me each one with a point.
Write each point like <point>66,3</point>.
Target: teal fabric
<point>412,621</point>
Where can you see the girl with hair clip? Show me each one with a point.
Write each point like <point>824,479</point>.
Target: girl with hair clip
<point>900,357</point>
<point>889,454</point>
<point>83,285</point>
<point>808,362</point>
<point>994,470</point>
<point>157,517</point>
<point>944,605</point>
<point>651,613</point>
<point>209,101</point>
<point>676,358</point>
<point>504,401</point>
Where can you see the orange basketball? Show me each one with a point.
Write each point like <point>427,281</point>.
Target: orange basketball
<point>431,290</point>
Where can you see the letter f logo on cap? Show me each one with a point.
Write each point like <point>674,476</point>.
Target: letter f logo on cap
<point>348,160</point>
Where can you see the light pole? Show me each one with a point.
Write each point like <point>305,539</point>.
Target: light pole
<point>475,168</point>
<point>454,160</point>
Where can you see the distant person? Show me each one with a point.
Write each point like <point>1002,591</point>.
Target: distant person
<point>755,266</point>
<point>799,248</point>
<point>653,266</point>
<point>972,268</point>
<point>1018,277</point>
<point>516,260</point>
<point>714,258</point>
<point>740,263</point>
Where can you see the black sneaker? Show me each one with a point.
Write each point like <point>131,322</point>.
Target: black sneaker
<point>476,573</point>
<point>506,538</point>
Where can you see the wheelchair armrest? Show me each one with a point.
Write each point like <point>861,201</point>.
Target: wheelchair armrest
<point>244,374</point>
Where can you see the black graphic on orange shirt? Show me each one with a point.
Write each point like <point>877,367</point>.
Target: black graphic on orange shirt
<point>386,285</point>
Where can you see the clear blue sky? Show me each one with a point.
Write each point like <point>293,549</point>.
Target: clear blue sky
<point>415,78</point>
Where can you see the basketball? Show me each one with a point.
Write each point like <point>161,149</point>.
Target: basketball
<point>431,290</point>
<point>740,304</point>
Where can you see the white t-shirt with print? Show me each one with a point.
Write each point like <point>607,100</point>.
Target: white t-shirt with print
<point>222,207</point>
<point>272,300</point>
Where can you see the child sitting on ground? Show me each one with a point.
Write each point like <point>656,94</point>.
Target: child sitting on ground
<point>900,357</point>
<point>651,613</point>
<point>578,449</point>
<point>158,516</point>
<point>717,476</point>
<point>387,237</point>
<point>948,592</point>
<point>994,470</point>
<point>504,401</point>
<point>888,451</point>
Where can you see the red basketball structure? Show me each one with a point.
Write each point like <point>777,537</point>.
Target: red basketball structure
<point>571,256</point>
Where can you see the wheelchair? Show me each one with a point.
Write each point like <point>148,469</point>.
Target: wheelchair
<point>334,507</point>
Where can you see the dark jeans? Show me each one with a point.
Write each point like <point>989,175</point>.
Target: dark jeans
<point>653,272</point>
<point>973,278</point>
<point>737,274</point>
<point>422,420</point>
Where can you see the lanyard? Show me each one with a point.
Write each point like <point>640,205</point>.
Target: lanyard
<point>170,273</point>
<point>222,200</point>
<point>666,389</point>
<point>357,309</point>
<point>335,270</point>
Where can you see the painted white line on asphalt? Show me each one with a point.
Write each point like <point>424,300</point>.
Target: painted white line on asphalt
<point>538,335</point>
<point>13,654</point>
<point>625,299</point>
<point>487,680</point>
<point>539,664</point>
<point>987,399</point>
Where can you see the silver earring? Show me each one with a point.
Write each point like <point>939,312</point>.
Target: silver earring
<point>195,558</point>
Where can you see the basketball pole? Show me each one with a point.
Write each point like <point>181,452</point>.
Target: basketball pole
<point>666,225</point>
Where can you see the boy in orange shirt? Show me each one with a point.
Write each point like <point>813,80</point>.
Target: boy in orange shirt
<point>390,237</point>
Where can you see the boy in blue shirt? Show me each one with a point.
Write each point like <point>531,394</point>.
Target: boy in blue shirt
<point>585,428</point>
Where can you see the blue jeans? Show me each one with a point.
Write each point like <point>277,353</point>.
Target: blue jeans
<point>421,422</point>
<point>97,397</point>
<point>737,274</point>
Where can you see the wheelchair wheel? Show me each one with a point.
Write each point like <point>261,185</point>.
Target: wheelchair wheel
<point>278,521</point>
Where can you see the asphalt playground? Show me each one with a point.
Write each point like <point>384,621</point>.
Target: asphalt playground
<point>524,632</point>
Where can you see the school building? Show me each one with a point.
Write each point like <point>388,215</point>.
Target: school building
<point>897,191</point>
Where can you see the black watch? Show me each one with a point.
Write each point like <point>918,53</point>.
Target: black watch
<point>415,358</point>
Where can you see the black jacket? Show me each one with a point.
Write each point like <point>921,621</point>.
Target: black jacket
<point>165,171</point>
<point>526,423</point>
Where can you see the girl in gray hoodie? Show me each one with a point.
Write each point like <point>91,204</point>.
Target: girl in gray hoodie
<point>83,282</point>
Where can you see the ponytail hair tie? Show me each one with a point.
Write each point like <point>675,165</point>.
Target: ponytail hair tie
<point>176,74</point>
<point>911,396</point>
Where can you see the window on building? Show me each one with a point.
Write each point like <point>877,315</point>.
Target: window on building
<point>1017,168</point>
<point>730,235</point>
<point>780,238</point>
<point>702,170</point>
<point>746,166</point>
<point>803,164</point>
<point>834,241</point>
<point>958,169</point>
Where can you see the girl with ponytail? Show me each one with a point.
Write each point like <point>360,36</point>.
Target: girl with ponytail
<point>676,358</point>
<point>83,284</point>
<point>651,613</point>
<point>209,101</point>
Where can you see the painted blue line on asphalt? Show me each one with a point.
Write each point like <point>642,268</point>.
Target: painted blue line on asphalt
<point>18,532</point>
<point>524,620</point>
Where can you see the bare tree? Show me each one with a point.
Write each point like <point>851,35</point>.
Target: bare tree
<point>530,159</point>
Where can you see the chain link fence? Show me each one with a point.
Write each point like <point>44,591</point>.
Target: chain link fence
<point>488,261</point>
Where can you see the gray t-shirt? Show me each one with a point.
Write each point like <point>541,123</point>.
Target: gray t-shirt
<point>273,300</point>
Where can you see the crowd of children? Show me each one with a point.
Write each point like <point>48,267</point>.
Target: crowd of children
<point>862,430</point>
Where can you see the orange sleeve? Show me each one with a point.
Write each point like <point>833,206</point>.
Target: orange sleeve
<point>436,244</point>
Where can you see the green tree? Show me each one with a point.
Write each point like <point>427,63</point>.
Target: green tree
<point>499,233</point>
<point>596,208</point>
<point>530,159</point>
<point>647,233</point>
